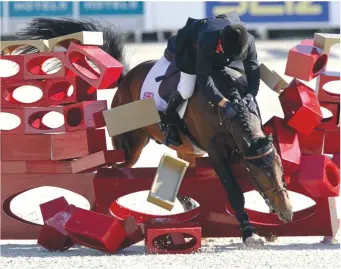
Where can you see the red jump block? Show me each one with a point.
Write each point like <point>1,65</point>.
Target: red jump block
<point>79,116</point>
<point>301,107</point>
<point>77,144</point>
<point>9,86</point>
<point>51,208</point>
<point>96,160</point>
<point>319,176</point>
<point>18,63</point>
<point>331,120</point>
<point>20,129</point>
<point>36,167</point>
<point>313,143</point>
<point>324,95</point>
<point>156,238</point>
<point>109,69</point>
<point>99,119</point>
<point>286,143</point>
<point>34,120</point>
<point>34,65</point>
<point>336,159</point>
<point>53,235</point>
<point>94,230</point>
<point>305,62</point>
<point>25,147</point>
<point>135,232</point>
<point>332,141</point>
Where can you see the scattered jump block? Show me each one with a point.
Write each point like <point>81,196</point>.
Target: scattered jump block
<point>286,143</point>
<point>332,141</point>
<point>301,107</point>
<point>167,181</point>
<point>36,167</point>
<point>13,167</point>
<point>325,95</point>
<point>79,116</point>
<point>84,37</point>
<point>336,159</point>
<point>98,231</point>
<point>156,239</point>
<point>16,59</point>
<point>319,176</point>
<point>109,68</point>
<point>7,47</point>
<point>25,147</point>
<point>94,161</point>
<point>8,87</point>
<point>132,120</point>
<point>33,65</point>
<point>33,120</point>
<point>53,235</point>
<point>330,113</point>
<point>99,119</point>
<point>57,91</point>
<point>51,208</point>
<point>305,62</point>
<point>20,129</point>
<point>313,143</point>
<point>273,80</point>
<point>135,232</point>
<point>326,41</point>
<point>77,144</point>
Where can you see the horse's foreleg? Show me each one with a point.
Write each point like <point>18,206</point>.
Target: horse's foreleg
<point>234,194</point>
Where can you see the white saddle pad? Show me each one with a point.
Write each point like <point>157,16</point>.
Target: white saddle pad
<point>151,88</point>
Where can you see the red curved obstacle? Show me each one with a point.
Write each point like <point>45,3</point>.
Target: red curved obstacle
<point>214,218</point>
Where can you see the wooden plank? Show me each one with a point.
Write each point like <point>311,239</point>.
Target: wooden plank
<point>131,116</point>
<point>326,41</point>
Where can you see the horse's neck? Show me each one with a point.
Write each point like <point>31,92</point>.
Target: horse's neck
<point>202,118</point>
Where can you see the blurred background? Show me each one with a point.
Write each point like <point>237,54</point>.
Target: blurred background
<point>156,20</point>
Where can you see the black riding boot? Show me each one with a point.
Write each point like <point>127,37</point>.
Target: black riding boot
<point>171,134</point>
<point>245,226</point>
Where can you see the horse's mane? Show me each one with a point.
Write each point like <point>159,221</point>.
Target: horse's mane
<point>46,28</point>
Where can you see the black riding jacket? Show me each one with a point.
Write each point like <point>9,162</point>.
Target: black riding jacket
<point>210,59</point>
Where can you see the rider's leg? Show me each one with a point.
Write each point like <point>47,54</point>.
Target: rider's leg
<point>234,193</point>
<point>183,92</point>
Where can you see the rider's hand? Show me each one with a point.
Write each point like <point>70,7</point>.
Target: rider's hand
<point>229,111</point>
<point>250,103</point>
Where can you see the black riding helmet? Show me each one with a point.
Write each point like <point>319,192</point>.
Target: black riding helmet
<point>234,40</point>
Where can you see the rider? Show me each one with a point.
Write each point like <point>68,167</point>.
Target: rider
<point>203,50</point>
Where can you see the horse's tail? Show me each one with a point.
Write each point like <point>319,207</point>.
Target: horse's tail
<point>46,28</point>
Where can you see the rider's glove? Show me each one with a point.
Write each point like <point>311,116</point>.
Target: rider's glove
<point>250,103</point>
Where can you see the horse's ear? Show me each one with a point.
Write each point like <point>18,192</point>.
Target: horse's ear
<point>246,144</point>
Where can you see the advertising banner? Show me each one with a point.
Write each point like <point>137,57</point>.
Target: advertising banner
<point>37,9</point>
<point>272,12</point>
<point>110,8</point>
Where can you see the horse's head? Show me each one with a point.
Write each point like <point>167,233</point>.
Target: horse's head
<point>261,160</point>
<point>265,168</point>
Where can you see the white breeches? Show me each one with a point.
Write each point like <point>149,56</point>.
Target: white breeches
<point>186,85</point>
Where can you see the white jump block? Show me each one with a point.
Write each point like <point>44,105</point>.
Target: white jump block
<point>85,38</point>
<point>272,79</point>
<point>167,181</point>
<point>326,41</point>
<point>131,116</point>
<point>7,47</point>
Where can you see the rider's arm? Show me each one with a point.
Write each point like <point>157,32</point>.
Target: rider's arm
<point>204,72</point>
<point>251,67</point>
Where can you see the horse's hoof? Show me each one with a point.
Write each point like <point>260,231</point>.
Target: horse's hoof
<point>272,239</point>
<point>254,241</point>
<point>330,240</point>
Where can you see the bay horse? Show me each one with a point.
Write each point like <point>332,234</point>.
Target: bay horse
<point>220,139</point>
